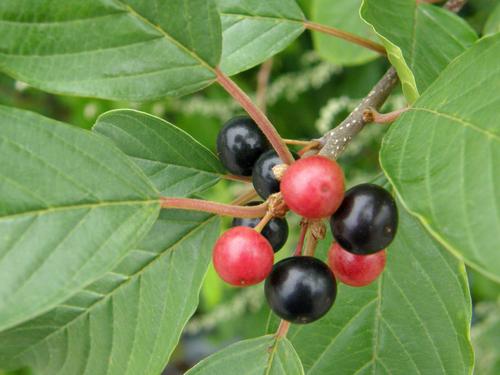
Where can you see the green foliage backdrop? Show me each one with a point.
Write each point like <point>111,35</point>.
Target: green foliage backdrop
<point>96,279</point>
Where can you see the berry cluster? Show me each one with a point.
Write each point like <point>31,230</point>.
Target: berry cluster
<point>363,220</point>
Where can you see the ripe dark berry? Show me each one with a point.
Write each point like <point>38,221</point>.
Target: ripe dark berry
<point>243,257</point>
<point>313,187</point>
<point>239,144</point>
<point>353,269</point>
<point>276,231</point>
<point>264,181</point>
<point>366,221</point>
<point>300,289</point>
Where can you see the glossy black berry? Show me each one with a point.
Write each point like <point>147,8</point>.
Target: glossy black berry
<point>276,231</point>
<point>366,221</point>
<point>239,144</point>
<point>300,289</point>
<point>264,181</point>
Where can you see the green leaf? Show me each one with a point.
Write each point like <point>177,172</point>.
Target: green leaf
<point>442,157</point>
<point>487,340</point>
<point>175,162</point>
<point>255,30</point>
<point>72,207</point>
<point>262,355</point>
<point>492,25</point>
<point>120,49</point>
<point>420,40</point>
<point>414,320</point>
<point>130,320</point>
<point>343,15</point>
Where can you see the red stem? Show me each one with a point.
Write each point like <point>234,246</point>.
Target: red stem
<point>263,222</point>
<point>302,236</point>
<point>346,36</point>
<point>282,329</point>
<point>214,207</point>
<point>262,81</point>
<point>257,115</point>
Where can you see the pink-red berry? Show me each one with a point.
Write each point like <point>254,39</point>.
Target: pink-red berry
<point>353,269</point>
<point>313,187</point>
<point>243,257</point>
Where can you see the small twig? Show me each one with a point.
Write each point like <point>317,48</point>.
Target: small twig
<point>312,146</point>
<point>257,115</point>
<point>214,207</point>
<point>454,5</point>
<point>297,142</point>
<point>263,222</point>
<point>232,177</point>
<point>335,141</point>
<point>245,198</point>
<point>262,81</point>
<point>372,115</point>
<point>300,244</point>
<point>282,329</point>
<point>346,36</point>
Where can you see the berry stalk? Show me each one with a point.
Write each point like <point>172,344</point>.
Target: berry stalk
<point>263,222</point>
<point>214,207</point>
<point>257,115</point>
<point>311,244</point>
<point>282,329</point>
<point>304,225</point>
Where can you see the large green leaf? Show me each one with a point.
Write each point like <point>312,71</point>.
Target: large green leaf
<point>414,320</point>
<point>119,49</point>
<point>442,156</point>
<point>263,355</point>
<point>344,15</point>
<point>71,206</point>
<point>420,40</point>
<point>255,30</point>
<point>130,320</point>
<point>176,163</point>
<point>492,25</point>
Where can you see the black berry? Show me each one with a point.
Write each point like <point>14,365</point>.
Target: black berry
<point>276,231</point>
<point>300,289</point>
<point>264,181</point>
<point>239,144</point>
<point>366,221</point>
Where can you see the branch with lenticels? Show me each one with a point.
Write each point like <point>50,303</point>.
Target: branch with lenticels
<point>336,140</point>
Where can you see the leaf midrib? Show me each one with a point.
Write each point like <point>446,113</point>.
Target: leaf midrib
<point>49,210</point>
<point>165,142</point>
<point>465,123</point>
<point>143,19</point>
<point>139,272</point>
<point>264,18</point>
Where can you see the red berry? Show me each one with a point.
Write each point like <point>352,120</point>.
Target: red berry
<point>243,257</point>
<point>313,187</point>
<point>353,269</point>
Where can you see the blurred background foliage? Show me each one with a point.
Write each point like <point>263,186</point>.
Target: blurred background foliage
<point>306,96</point>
